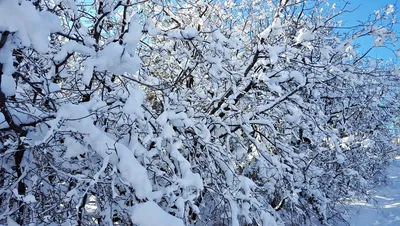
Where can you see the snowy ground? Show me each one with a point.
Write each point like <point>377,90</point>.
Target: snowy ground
<point>386,211</point>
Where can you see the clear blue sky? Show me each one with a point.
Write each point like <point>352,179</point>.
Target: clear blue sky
<point>365,9</point>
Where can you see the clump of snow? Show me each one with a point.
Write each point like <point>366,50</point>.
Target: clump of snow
<point>31,30</point>
<point>367,143</point>
<point>274,29</point>
<point>304,35</point>
<point>8,86</point>
<point>268,220</point>
<point>151,28</point>
<point>389,9</point>
<point>187,33</point>
<point>53,87</point>
<point>6,59</point>
<point>112,58</point>
<point>217,35</point>
<point>239,152</point>
<point>298,77</point>
<point>188,178</point>
<point>190,32</point>
<point>247,185</point>
<point>274,52</point>
<point>29,199</point>
<point>234,212</point>
<point>73,46</point>
<point>150,214</point>
<point>134,103</point>
<point>379,41</point>
<point>167,132</point>
<point>340,158</point>
<point>180,204</point>
<point>11,222</point>
<point>295,114</point>
<point>228,172</point>
<point>132,38</point>
<point>74,148</point>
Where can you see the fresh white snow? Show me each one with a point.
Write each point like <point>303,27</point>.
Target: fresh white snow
<point>386,210</point>
<point>30,32</point>
<point>150,214</point>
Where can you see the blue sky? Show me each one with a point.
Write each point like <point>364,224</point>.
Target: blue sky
<point>366,8</point>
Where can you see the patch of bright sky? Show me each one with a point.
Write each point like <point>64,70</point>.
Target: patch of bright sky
<point>363,10</point>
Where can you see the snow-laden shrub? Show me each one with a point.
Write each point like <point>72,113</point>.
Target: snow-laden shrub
<point>190,112</point>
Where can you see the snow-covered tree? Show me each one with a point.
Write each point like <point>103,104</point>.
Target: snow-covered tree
<point>191,112</point>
